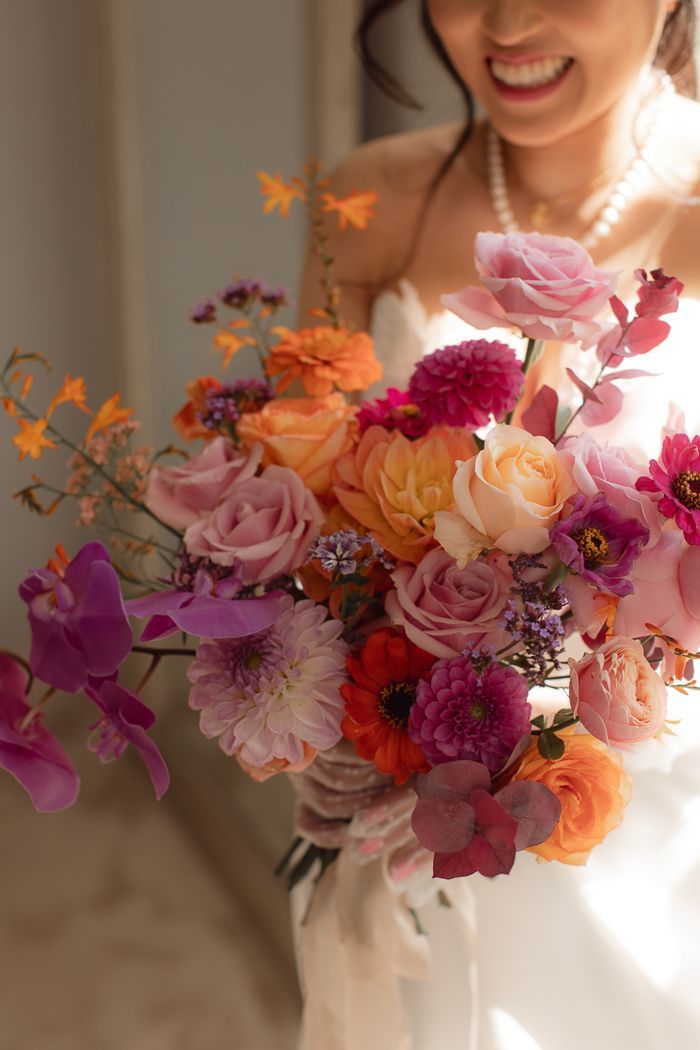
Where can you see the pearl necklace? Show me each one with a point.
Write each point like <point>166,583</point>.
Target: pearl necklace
<point>623,191</point>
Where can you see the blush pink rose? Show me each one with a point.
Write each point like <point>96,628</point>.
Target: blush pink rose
<point>548,287</point>
<point>666,581</point>
<point>614,472</point>
<point>180,495</point>
<point>443,609</point>
<point>266,523</point>
<point>617,694</point>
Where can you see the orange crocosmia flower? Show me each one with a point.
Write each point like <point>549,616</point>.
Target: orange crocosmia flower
<point>27,386</point>
<point>384,677</point>
<point>323,357</point>
<point>71,392</point>
<point>279,193</point>
<point>185,419</point>
<point>394,486</point>
<point>230,343</point>
<point>356,209</point>
<point>107,415</point>
<point>593,788</point>
<point>31,441</point>
<point>9,406</point>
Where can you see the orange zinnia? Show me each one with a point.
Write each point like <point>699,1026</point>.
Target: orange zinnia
<point>385,674</point>
<point>323,358</point>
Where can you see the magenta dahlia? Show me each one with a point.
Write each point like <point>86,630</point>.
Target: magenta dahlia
<point>464,713</point>
<point>396,411</point>
<point>466,384</point>
<point>677,479</point>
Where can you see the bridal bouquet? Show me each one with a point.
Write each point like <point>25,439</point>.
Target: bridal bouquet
<point>456,578</point>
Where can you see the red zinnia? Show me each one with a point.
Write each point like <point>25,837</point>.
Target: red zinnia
<point>385,674</point>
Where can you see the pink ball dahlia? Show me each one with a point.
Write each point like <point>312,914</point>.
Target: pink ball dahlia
<point>466,384</point>
<point>464,713</point>
<point>275,695</point>
<point>677,480</point>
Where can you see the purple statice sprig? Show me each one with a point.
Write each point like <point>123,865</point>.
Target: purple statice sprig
<point>225,405</point>
<point>337,554</point>
<point>531,618</point>
<point>246,292</point>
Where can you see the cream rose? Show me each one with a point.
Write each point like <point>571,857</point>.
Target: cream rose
<point>507,497</point>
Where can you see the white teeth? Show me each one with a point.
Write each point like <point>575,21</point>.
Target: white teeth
<point>529,74</point>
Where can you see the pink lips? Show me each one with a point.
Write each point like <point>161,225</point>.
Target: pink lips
<point>522,93</point>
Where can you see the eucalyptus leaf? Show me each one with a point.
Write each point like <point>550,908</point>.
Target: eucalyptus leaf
<point>550,746</point>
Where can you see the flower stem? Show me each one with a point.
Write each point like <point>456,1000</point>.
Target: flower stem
<point>153,650</point>
<point>35,709</point>
<point>150,671</point>
<point>24,663</point>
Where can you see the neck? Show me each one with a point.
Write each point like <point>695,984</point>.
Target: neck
<point>606,143</point>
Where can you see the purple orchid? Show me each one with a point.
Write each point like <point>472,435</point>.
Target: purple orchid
<point>125,720</point>
<point>599,544</point>
<point>206,609</point>
<point>28,751</point>
<point>469,828</point>
<point>78,621</point>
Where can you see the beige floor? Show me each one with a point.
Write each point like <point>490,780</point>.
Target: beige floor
<point>116,934</point>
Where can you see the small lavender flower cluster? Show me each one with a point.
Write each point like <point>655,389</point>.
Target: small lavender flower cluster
<point>189,573</point>
<point>240,295</point>
<point>226,405</point>
<point>531,619</point>
<point>337,552</point>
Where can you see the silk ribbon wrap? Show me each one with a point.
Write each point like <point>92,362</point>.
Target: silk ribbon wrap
<point>358,945</point>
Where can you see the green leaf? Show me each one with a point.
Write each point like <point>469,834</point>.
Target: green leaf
<point>550,746</point>
<point>562,716</point>
<point>539,722</point>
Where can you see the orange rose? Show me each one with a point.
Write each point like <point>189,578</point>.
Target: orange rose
<point>394,486</point>
<point>307,434</point>
<point>323,358</point>
<point>593,788</point>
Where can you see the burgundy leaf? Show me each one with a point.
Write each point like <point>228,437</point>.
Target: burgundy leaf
<point>541,417</point>
<point>491,850</point>
<point>608,406</point>
<point>588,392</point>
<point>619,309</point>
<point>628,373</point>
<point>644,334</point>
<point>453,780</point>
<point>534,806</point>
<point>444,825</point>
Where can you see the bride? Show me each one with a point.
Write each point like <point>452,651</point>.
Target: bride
<point>590,132</point>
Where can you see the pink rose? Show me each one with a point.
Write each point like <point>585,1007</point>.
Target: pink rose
<point>666,581</point>
<point>181,495</point>
<point>617,694</point>
<point>444,609</point>
<point>267,523</point>
<point>548,287</point>
<point>614,472</point>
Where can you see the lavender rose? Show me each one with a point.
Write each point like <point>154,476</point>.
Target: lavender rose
<point>443,609</point>
<point>266,522</point>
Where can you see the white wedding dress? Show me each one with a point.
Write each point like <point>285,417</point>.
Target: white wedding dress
<point>550,957</point>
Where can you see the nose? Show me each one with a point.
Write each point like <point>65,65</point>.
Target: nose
<point>509,23</point>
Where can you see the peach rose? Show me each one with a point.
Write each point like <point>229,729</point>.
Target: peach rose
<point>593,788</point>
<point>277,765</point>
<point>617,694</point>
<point>307,434</point>
<point>394,486</point>
<point>508,496</point>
